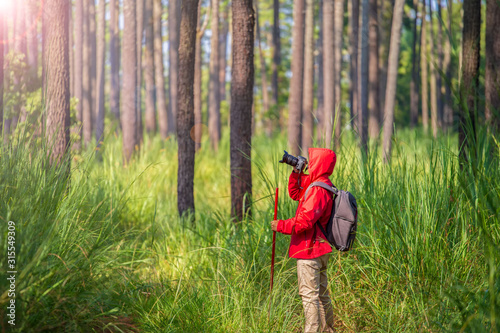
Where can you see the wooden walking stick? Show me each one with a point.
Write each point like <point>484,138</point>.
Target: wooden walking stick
<point>274,237</point>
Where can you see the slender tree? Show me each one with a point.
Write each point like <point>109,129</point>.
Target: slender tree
<point>296,83</point>
<point>163,116</point>
<point>320,90</point>
<point>448,102</point>
<point>363,77</point>
<point>71,42</point>
<point>392,73</point>
<point>57,101</point>
<point>423,68</point>
<point>173,68</point>
<point>492,72</point>
<point>374,73</point>
<point>101,54</point>
<point>213,86</point>
<point>149,71</point>
<point>114,55</point>
<point>471,36</point>
<point>242,80</point>
<point>87,121</point>
<point>338,22</point>
<point>223,51</point>
<point>198,119</point>
<point>140,34</point>
<point>433,79</point>
<point>79,67</point>
<point>353,51</point>
<point>414,71</point>
<point>92,60</point>
<point>276,53</point>
<point>308,90</point>
<point>185,114</point>
<point>263,72</point>
<point>129,99</point>
<point>329,66</point>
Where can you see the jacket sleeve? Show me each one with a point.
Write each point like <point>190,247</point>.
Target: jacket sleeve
<point>294,188</point>
<point>309,213</point>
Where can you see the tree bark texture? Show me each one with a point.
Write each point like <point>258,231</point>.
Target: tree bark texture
<point>353,68</point>
<point>185,114</point>
<point>79,68</point>
<point>129,61</point>
<point>242,80</point>
<point>173,68</point>
<point>263,75</point>
<point>338,21</point>
<point>392,75</point>
<point>439,69</point>
<point>492,72</point>
<point>414,72</point>
<point>198,119</point>
<point>57,56</point>
<point>101,56</point>
<point>329,68</point>
<point>163,118</point>
<point>320,90</point>
<point>308,90</point>
<point>433,79</point>
<point>213,85</point>
<point>276,53</point>
<point>114,55</point>
<point>471,34</point>
<point>149,71</point>
<point>424,68</point>
<point>374,73</point>
<point>448,101</point>
<point>87,121</point>
<point>296,82</point>
<point>140,35</point>
<point>71,42</point>
<point>92,61</point>
<point>363,77</point>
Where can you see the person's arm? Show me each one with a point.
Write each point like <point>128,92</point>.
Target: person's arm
<point>310,211</point>
<point>296,183</point>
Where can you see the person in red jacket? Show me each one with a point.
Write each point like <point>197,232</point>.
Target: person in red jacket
<point>308,244</point>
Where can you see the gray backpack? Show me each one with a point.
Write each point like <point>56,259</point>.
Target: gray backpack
<point>341,228</point>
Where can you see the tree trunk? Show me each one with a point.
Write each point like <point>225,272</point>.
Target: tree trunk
<point>163,118</point>
<point>114,55</point>
<point>223,52</point>
<point>185,114</point>
<point>392,75</point>
<point>78,69</point>
<point>93,61</point>
<point>448,102</point>
<point>320,92</point>
<point>129,99</point>
<point>296,82</point>
<point>308,98</point>
<point>87,77</point>
<point>242,80</point>
<point>414,72</point>
<point>173,68</point>
<point>276,54</point>
<point>71,42</point>
<point>439,63</point>
<point>363,77</point>
<point>101,56</point>
<point>353,68</point>
<point>198,119</point>
<point>471,36</point>
<point>338,21</point>
<point>374,73</point>
<point>492,72</point>
<point>263,73</point>
<point>213,86</point>
<point>423,67</point>
<point>434,90</point>
<point>57,71</point>
<point>329,70</point>
<point>140,33</point>
<point>149,71</point>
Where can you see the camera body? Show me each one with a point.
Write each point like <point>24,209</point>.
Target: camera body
<point>299,162</point>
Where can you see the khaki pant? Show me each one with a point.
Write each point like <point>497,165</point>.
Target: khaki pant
<point>313,284</point>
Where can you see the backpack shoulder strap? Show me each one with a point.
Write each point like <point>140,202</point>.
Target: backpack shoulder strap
<point>323,185</point>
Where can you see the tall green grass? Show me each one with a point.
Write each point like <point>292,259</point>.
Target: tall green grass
<point>106,250</point>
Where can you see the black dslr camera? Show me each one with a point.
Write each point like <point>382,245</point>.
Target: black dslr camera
<point>299,162</point>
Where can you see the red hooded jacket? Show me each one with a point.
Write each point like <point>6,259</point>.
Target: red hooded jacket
<point>307,241</point>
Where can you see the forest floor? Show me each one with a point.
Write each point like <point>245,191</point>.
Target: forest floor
<point>107,252</point>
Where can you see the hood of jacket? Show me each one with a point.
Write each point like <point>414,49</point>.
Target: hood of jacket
<point>321,163</point>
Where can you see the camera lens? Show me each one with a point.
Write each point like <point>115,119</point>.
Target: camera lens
<point>289,159</point>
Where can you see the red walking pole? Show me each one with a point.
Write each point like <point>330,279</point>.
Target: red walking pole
<point>274,237</point>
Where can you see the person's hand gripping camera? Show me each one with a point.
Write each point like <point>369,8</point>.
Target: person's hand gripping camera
<point>298,163</point>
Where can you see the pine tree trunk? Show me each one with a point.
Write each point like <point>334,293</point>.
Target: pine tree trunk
<point>71,42</point>
<point>353,68</point>
<point>363,76</point>
<point>78,70</point>
<point>173,68</point>
<point>338,21</point>
<point>392,74</point>
<point>308,98</point>
<point>198,119</point>
<point>114,55</point>
<point>242,80</point>
<point>296,82</point>
<point>374,73</point>
<point>213,85</point>
<point>320,90</point>
<point>492,72</point>
<point>329,70</point>
<point>276,53</point>
<point>471,36</point>
<point>263,72</point>
<point>223,52</point>
<point>129,61</point>
<point>433,79</point>
<point>185,114</point>
<point>87,121</point>
<point>414,72</point>
<point>448,102</point>
<point>57,71</point>
<point>93,61</point>
<point>101,56</point>
<point>439,63</point>
<point>163,118</point>
<point>424,67</point>
<point>149,70</point>
<point>140,34</point>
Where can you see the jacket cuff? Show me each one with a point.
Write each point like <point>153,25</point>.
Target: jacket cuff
<point>285,226</point>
